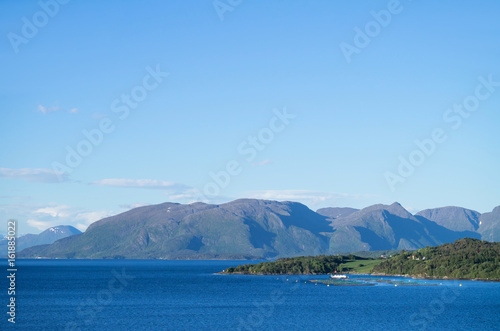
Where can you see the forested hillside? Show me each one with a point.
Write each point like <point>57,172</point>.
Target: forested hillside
<point>465,258</point>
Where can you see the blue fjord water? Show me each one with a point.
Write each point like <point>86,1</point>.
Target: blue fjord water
<point>187,295</point>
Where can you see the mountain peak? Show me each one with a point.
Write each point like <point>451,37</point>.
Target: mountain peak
<point>48,236</point>
<point>398,210</point>
<point>395,209</point>
<point>61,230</point>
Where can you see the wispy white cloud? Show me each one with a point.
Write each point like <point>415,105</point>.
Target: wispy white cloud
<point>84,219</point>
<point>141,183</point>
<point>54,211</point>
<point>45,110</point>
<point>41,225</point>
<point>34,175</point>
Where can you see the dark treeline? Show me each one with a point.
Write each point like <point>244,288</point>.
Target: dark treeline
<point>303,265</point>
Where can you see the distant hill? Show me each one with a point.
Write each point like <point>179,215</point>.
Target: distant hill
<point>465,258</point>
<point>260,229</point>
<point>46,237</point>
<point>453,218</point>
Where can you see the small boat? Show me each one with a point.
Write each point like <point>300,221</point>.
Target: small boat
<point>338,276</point>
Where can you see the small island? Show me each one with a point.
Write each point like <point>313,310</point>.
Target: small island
<point>464,259</point>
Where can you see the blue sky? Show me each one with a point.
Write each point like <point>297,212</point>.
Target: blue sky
<point>320,102</point>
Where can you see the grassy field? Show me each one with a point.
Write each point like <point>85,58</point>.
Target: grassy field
<point>362,267</point>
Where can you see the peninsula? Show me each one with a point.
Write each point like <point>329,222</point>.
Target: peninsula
<point>464,259</point>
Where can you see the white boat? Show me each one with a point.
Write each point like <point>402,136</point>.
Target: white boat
<point>338,276</point>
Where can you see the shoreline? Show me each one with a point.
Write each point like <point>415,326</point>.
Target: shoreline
<point>361,274</point>
<point>438,277</point>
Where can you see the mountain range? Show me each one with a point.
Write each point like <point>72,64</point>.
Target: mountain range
<point>257,229</point>
<point>46,237</point>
